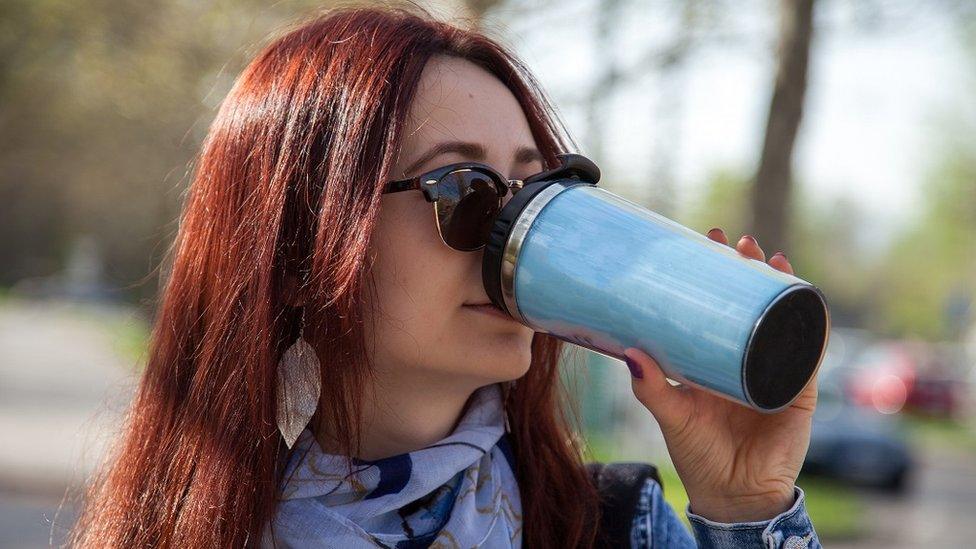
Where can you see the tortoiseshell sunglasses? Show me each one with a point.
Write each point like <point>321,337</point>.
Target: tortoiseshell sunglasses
<point>467,196</point>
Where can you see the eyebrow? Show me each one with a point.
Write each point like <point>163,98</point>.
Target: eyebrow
<point>523,155</point>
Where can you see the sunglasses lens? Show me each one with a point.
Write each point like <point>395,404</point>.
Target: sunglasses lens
<point>467,204</point>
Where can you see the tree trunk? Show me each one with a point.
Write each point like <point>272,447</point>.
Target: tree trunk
<point>771,191</point>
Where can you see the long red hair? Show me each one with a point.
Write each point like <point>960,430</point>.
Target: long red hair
<point>288,182</point>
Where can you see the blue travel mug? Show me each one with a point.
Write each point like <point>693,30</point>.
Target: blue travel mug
<point>571,259</point>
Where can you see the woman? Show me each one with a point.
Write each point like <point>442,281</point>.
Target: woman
<point>452,414</point>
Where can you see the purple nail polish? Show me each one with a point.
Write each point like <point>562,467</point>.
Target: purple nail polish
<point>635,369</point>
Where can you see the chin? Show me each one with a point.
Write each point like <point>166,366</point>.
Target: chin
<point>504,362</point>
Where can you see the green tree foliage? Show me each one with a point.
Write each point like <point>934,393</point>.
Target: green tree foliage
<point>825,248</point>
<point>723,202</point>
<point>103,105</point>
<point>901,290</point>
<point>934,256</point>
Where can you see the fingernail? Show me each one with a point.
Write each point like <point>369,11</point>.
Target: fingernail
<point>712,229</point>
<point>635,369</point>
<point>780,253</point>
<point>750,237</point>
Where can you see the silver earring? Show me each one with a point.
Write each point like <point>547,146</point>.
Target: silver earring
<point>299,386</point>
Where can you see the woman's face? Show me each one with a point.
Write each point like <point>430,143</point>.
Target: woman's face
<point>424,331</point>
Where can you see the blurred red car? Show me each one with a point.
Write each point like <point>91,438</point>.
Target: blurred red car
<point>895,376</point>
<point>883,378</point>
<point>935,397</point>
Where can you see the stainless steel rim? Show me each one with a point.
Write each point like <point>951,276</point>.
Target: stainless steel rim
<point>514,245</point>
<point>823,350</point>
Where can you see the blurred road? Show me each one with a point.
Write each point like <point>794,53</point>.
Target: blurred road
<point>31,521</point>
<point>938,511</point>
<point>63,387</point>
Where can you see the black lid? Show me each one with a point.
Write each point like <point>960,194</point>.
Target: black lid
<point>573,169</point>
<point>491,265</point>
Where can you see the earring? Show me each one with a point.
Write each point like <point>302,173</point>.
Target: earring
<point>299,386</point>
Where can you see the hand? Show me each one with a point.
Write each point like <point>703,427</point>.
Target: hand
<point>737,465</point>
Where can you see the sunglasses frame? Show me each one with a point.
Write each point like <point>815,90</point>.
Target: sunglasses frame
<point>429,183</point>
<point>571,166</point>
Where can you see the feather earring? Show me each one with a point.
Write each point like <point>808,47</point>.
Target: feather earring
<point>298,388</point>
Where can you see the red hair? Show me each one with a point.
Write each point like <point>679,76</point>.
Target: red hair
<point>288,182</point>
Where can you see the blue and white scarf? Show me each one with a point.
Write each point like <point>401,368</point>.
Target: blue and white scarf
<point>458,492</point>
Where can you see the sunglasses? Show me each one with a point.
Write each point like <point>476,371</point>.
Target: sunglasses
<point>467,196</point>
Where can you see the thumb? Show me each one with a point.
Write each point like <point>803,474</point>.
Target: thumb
<point>670,405</point>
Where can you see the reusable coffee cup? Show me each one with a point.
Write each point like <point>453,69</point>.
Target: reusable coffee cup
<point>571,259</point>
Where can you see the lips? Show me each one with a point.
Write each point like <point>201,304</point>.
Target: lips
<point>489,305</point>
<point>489,308</point>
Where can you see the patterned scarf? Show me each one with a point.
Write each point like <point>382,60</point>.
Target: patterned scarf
<point>458,492</point>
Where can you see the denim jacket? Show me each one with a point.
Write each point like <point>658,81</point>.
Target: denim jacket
<point>657,525</point>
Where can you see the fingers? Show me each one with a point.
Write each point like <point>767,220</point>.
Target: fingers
<point>749,247</point>
<point>670,405</point>
<point>718,235</point>
<point>779,261</point>
<point>808,397</point>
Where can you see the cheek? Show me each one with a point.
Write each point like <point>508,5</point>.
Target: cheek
<point>418,286</point>
<point>409,292</point>
<point>414,312</point>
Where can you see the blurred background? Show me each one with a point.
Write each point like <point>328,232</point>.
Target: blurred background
<point>840,131</point>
